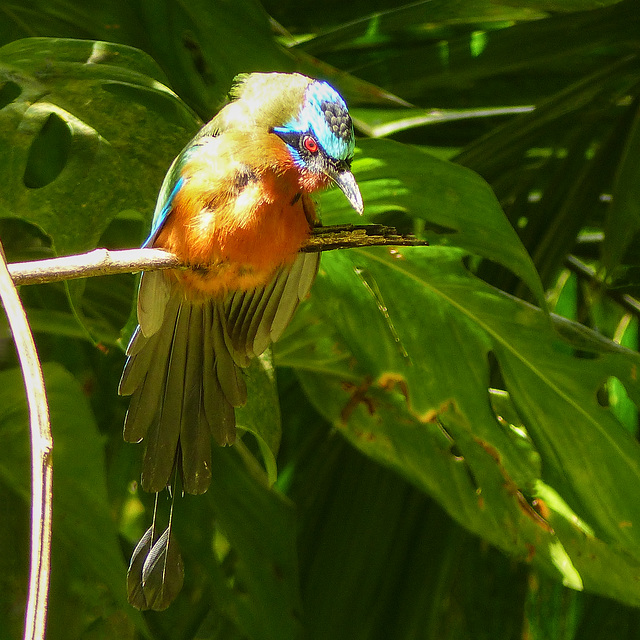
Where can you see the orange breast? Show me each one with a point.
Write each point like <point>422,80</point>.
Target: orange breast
<point>236,225</point>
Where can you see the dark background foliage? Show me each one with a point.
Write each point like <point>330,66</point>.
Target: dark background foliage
<point>434,455</point>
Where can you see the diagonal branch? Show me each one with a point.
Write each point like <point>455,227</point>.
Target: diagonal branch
<point>102,262</point>
<point>583,270</point>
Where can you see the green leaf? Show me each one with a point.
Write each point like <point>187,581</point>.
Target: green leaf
<point>203,46</point>
<point>200,46</point>
<point>444,196</point>
<point>380,560</point>
<point>423,357</point>
<point>260,416</point>
<point>377,559</point>
<point>87,118</point>
<point>85,543</point>
<point>258,525</point>
<point>364,24</point>
<point>563,5</point>
<point>623,219</point>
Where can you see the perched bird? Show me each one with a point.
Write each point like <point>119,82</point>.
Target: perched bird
<point>236,206</point>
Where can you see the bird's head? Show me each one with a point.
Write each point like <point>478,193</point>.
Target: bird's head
<point>320,139</point>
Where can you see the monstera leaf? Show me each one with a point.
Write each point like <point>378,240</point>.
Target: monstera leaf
<point>95,120</point>
<point>479,398</point>
<point>81,117</point>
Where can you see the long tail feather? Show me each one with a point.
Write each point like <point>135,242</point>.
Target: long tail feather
<point>162,437</point>
<point>195,434</point>
<point>184,385</point>
<point>184,369</point>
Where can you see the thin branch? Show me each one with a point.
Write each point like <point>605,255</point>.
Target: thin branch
<point>41,464</point>
<point>627,302</point>
<point>349,236</point>
<point>101,262</point>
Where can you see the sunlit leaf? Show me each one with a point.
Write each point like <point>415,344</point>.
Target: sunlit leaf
<point>423,358</point>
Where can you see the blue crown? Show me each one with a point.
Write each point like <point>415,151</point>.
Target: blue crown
<point>325,114</point>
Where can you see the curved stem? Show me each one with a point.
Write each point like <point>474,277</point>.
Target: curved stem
<point>41,466</point>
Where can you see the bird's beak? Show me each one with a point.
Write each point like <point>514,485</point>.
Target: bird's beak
<point>347,183</point>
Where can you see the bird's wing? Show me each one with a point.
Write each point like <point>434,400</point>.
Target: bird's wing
<point>164,206</point>
<point>184,385</point>
<point>258,317</point>
<point>185,379</point>
<point>154,288</point>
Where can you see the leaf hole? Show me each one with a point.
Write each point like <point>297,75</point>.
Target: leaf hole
<point>507,415</point>
<point>8,93</point>
<point>602,395</point>
<point>49,153</point>
<point>24,241</point>
<point>198,59</point>
<point>502,405</point>
<point>612,394</point>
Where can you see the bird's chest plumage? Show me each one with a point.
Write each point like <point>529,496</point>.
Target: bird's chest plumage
<point>240,215</point>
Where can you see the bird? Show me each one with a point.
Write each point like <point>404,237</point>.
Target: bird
<point>235,206</point>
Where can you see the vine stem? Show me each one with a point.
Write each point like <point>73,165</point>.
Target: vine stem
<point>41,464</point>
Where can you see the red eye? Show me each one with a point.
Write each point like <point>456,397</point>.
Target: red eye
<point>310,144</point>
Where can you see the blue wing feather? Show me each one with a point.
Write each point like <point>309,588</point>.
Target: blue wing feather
<point>163,211</point>
<point>173,182</point>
